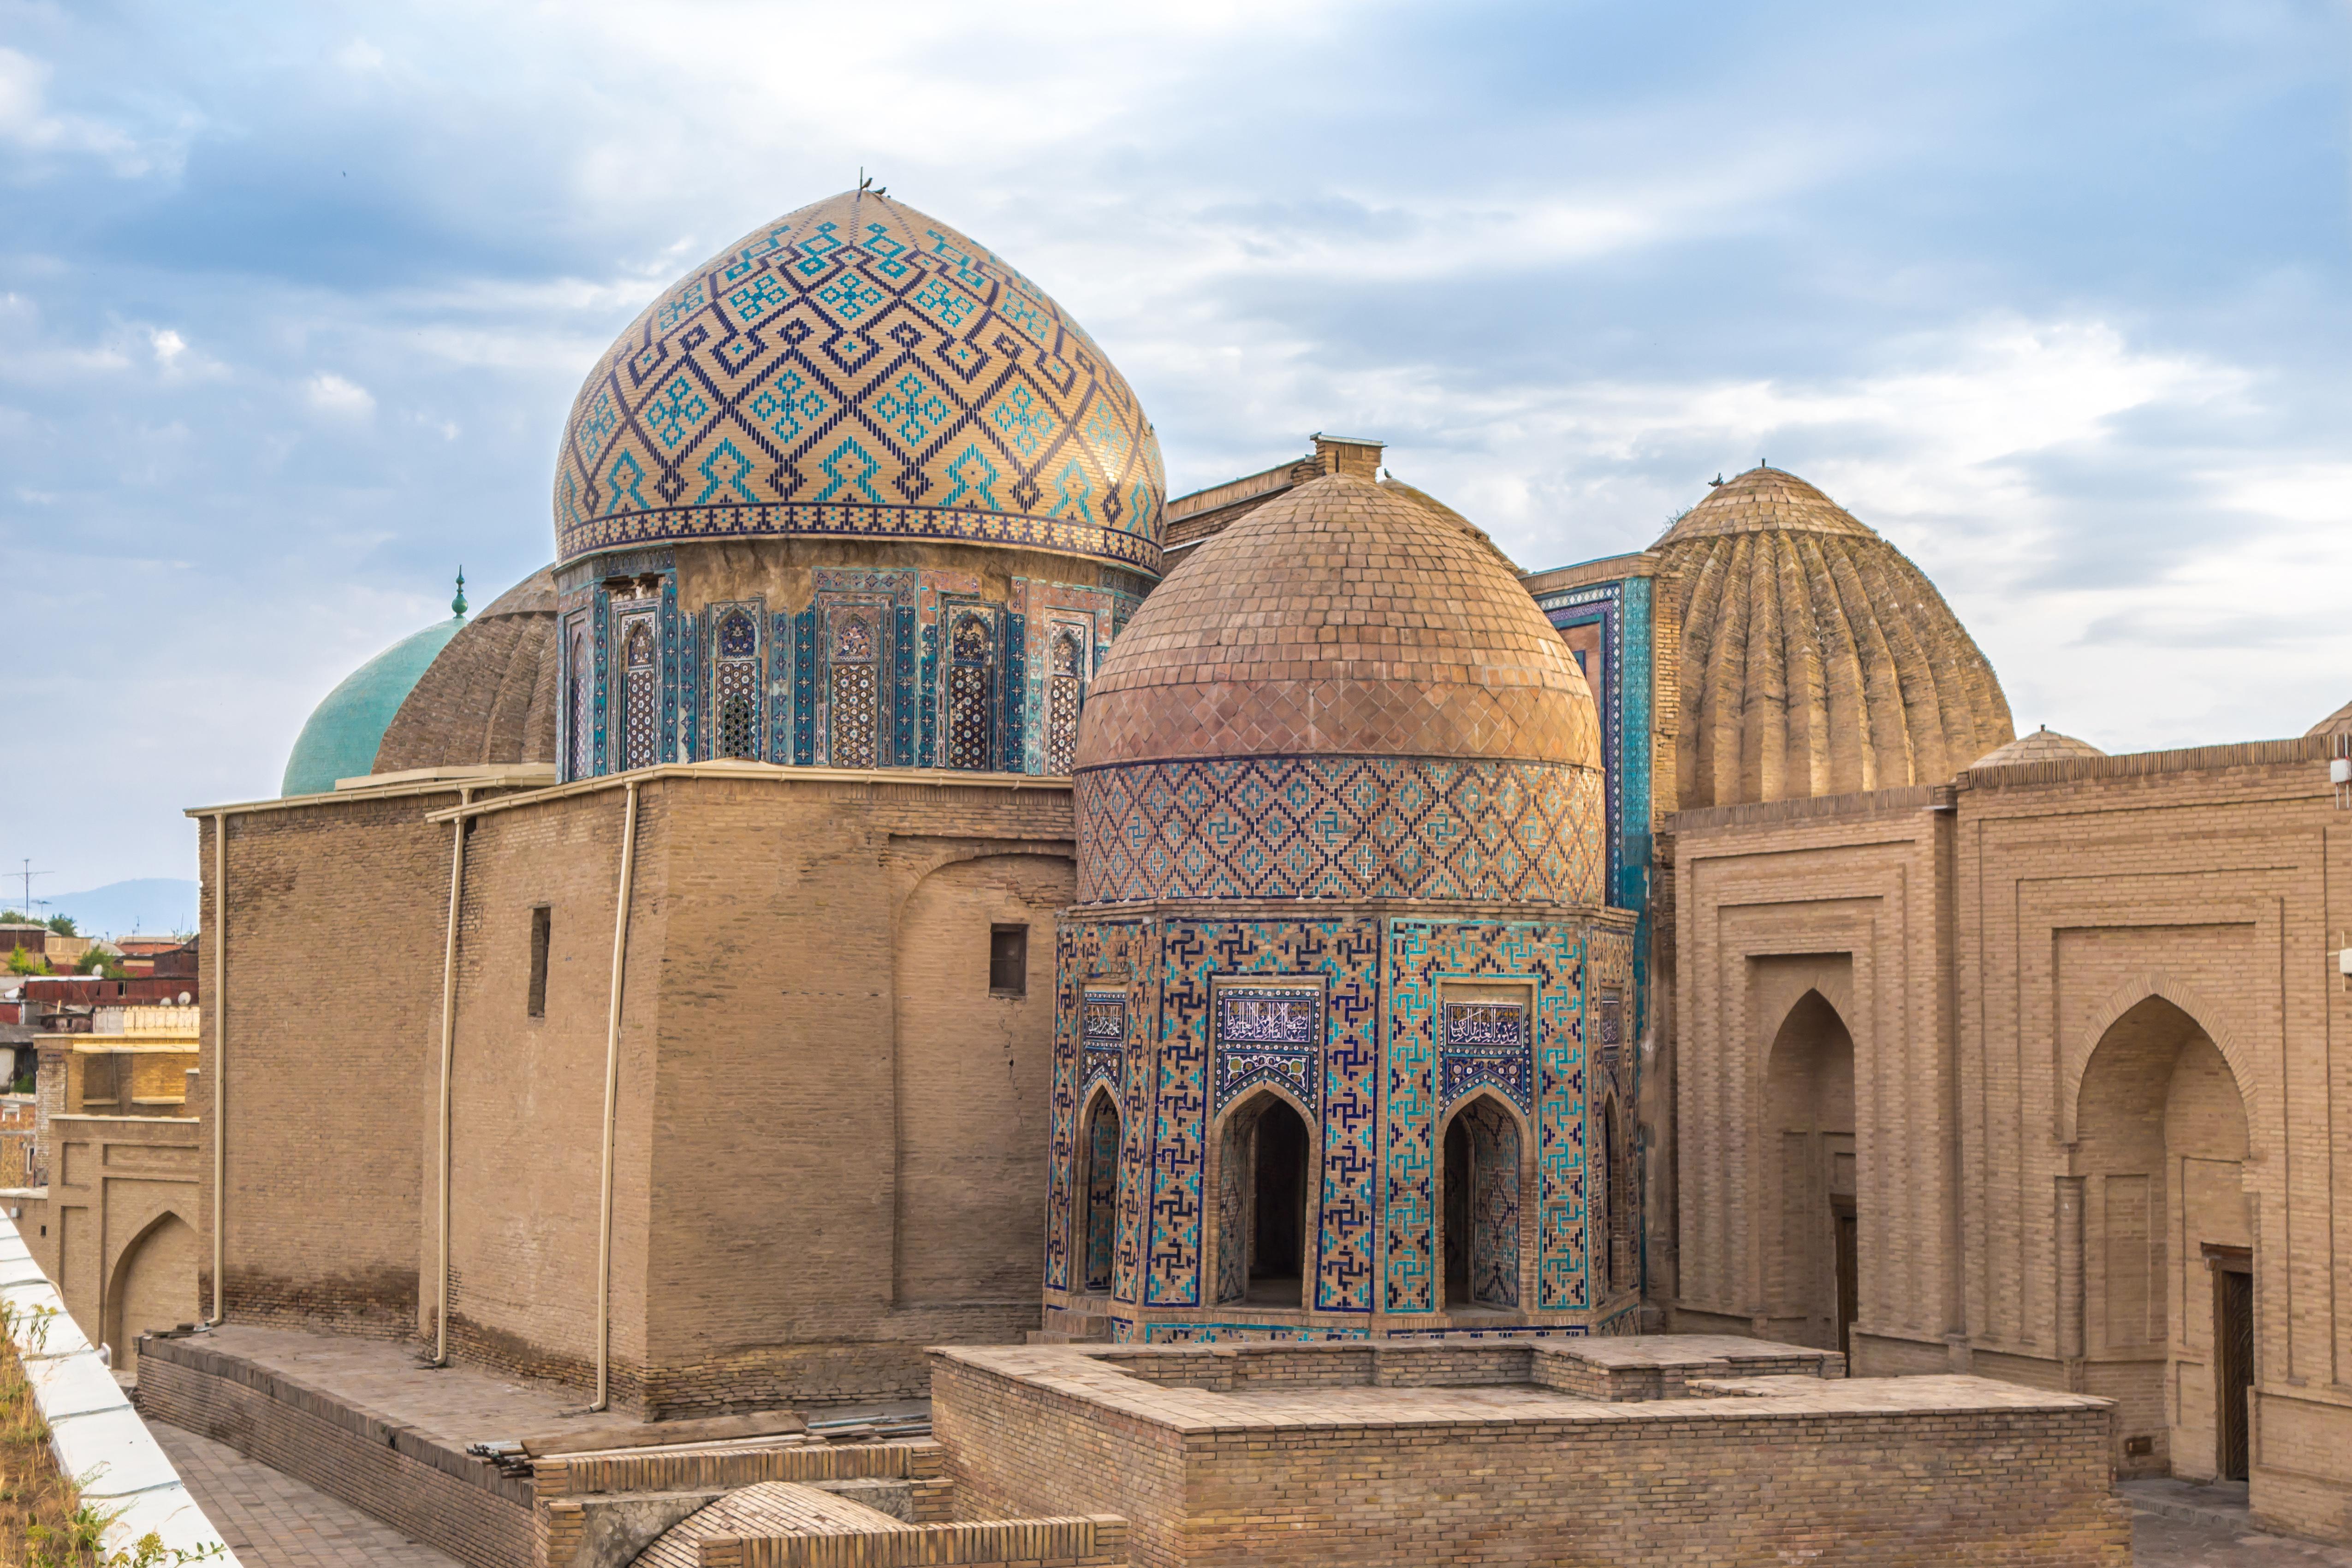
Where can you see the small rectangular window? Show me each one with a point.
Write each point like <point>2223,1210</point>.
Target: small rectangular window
<point>539,928</point>
<point>1008,961</point>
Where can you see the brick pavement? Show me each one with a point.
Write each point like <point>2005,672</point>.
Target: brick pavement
<point>457,1405</point>
<point>2161,1543</point>
<point>272,1521</point>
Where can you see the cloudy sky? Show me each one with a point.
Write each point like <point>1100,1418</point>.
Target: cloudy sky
<point>294,297</point>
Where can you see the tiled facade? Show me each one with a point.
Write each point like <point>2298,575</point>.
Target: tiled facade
<point>1440,987</point>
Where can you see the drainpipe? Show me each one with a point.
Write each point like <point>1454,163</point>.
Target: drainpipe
<point>220,1060</point>
<point>612,1090</point>
<point>449,1036</point>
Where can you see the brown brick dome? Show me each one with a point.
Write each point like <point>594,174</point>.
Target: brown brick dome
<point>1815,659</point>
<point>489,695</point>
<point>2042,745</point>
<point>1344,695</point>
<point>1341,618</point>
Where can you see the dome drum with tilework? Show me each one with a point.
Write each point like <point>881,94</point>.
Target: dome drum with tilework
<point>1342,695</point>
<point>858,369</point>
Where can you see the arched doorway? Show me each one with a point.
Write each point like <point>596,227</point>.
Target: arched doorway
<point>1099,1189</point>
<point>1481,1206</point>
<point>1813,1252</point>
<point>1262,1232</point>
<point>2164,1313</point>
<point>155,1287</point>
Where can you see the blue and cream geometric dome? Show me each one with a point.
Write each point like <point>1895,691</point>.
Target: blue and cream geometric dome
<point>860,369</point>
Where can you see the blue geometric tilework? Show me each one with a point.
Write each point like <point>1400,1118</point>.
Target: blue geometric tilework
<point>1190,1333</point>
<point>1340,827</point>
<point>856,368</point>
<point>672,635</point>
<point>804,716</point>
<point>1105,959</point>
<point>1422,956</point>
<point>1199,962</point>
<point>1485,1042</point>
<point>1104,1032</point>
<point>1269,1034</point>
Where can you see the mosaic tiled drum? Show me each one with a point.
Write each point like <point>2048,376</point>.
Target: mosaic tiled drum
<point>857,368</point>
<point>1341,869</point>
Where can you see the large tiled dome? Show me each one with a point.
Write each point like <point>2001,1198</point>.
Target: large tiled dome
<point>860,369</point>
<point>1342,695</point>
<point>1815,659</point>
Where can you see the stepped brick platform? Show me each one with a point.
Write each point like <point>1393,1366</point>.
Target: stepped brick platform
<point>1664,1450</point>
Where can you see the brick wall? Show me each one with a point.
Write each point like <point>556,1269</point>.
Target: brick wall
<point>827,1128</point>
<point>334,940</point>
<point>1687,1482</point>
<point>457,1504</point>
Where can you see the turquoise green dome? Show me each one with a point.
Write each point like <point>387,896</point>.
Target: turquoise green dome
<point>341,739</point>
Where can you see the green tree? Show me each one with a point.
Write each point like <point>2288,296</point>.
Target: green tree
<point>23,963</point>
<point>98,960</point>
<point>62,924</point>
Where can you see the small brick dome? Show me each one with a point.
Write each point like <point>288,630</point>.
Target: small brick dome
<point>1341,618</point>
<point>2042,745</point>
<point>1815,659</point>
<point>860,369</point>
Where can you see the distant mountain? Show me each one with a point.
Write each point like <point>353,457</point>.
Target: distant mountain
<point>144,906</point>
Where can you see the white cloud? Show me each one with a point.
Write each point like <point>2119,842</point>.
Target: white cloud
<point>169,345</point>
<point>338,397</point>
<point>360,57</point>
<point>27,122</point>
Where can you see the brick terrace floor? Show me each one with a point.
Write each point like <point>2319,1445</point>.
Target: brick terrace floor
<point>272,1521</point>
<point>2220,1536</point>
<point>275,1521</point>
<point>457,1405</point>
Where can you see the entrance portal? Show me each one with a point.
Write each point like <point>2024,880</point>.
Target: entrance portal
<point>2234,1364</point>
<point>1262,1161</point>
<point>1813,1252</point>
<point>2159,1155</point>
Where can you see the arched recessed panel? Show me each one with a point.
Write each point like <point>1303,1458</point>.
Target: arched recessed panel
<point>974,1068</point>
<point>1098,1192</point>
<point>1480,1231</point>
<point>153,1288</point>
<point>1812,1221</point>
<point>1265,1157</point>
<point>2155,1272</point>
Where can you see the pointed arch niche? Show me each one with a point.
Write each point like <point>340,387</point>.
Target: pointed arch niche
<point>1812,1228</point>
<point>1479,1201</point>
<point>1097,1217</point>
<point>2157,1239</point>
<point>1266,1150</point>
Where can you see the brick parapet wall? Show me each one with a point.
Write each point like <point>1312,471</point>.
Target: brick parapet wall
<point>1841,1477</point>
<point>451,1502</point>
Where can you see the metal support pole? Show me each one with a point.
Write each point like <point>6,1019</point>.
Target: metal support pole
<point>612,1091</point>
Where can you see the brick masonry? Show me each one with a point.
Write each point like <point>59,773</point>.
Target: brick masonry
<point>1306,1468</point>
<point>429,1488</point>
<point>2091,1006</point>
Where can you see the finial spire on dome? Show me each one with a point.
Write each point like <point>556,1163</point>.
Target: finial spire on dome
<point>458,604</point>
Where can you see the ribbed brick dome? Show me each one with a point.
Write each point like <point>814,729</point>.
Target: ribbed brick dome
<point>489,695</point>
<point>1344,695</point>
<point>1815,659</point>
<point>1341,618</point>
